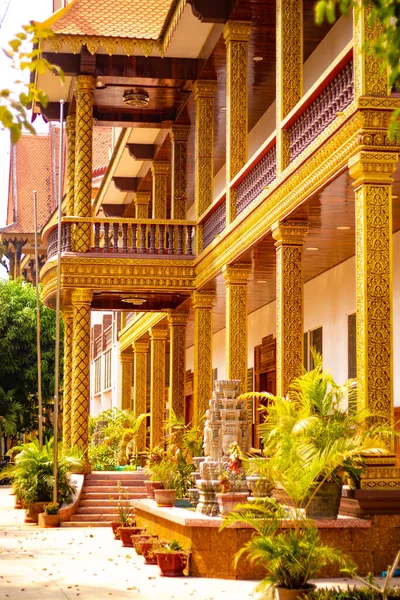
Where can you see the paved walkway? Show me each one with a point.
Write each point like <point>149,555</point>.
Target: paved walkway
<point>88,564</point>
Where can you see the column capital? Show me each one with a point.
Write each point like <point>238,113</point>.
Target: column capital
<point>140,347</point>
<point>179,133</point>
<point>159,167</point>
<point>290,233</point>
<point>204,89</point>
<point>158,333</point>
<point>126,357</point>
<point>142,198</point>
<point>178,318</point>
<point>203,299</point>
<point>237,31</point>
<point>85,84</point>
<point>372,167</point>
<point>67,313</point>
<point>81,297</point>
<point>238,273</point>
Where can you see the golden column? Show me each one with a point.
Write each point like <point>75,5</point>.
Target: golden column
<point>289,238</point>
<point>68,318</point>
<point>158,338</point>
<point>70,128</point>
<point>177,364</point>
<point>372,173</point>
<point>236,34</point>
<point>81,300</point>
<point>204,93</point>
<point>369,77</point>
<point>140,350</point>
<point>126,364</point>
<point>202,305</point>
<point>142,201</point>
<point>179,135</point>
<point>159,170</point>
<point>84,94</point>
<point>236,277</point>
<point>289,70</point>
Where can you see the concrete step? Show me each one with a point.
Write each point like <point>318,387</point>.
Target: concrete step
<point>104,502</point>
<point>93,510</point>
<point>89,495</point>
<point>116,475</point>
<point>94,517</point>
<point>86,524</point>
<point>127,483</point>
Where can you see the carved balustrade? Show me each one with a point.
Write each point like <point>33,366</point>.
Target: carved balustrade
<point>130,236</point>
<point>323,110</point>
<point>214,224</point>
<point>262,174</point>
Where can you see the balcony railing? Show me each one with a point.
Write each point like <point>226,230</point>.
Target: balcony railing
<point>129,236</point>
<point>214,224</point>
<point>263,173</point>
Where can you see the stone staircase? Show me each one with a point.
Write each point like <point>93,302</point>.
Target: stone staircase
<point>99,500</point>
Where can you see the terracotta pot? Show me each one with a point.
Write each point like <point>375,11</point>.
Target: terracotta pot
<point>34,508</point>
<point>171,563</point>
<point>286,594</point>
<point>137,541</point>
<point>48,520</point>
<point>227,502</point>
<point>151,486</point>
<point>147,551</point>
<point>19,504</point>
<point>125,534</point>
<point>165,497</point>
<point>115,525</point>
<point>326,502</point>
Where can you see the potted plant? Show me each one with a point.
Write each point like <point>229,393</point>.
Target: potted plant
<point>166,472</point>
<point>140,539</point>
<point>125,511</point>
<point>33,479</point>
<point>232,482</point>
<point>50,517</point>
<point>258,476</point>
<point>171,558</point>
<point>148,552</point>
<point>154,458</point>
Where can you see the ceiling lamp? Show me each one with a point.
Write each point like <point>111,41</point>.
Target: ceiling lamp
<point>134,301</point>
<point>136,98</point>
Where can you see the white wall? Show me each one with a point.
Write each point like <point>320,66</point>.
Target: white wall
<point>328,300</point>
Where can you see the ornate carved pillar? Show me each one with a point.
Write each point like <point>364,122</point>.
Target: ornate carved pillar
<point>177,364</point>
<point>158,337</point>
<point>140,350</point>
<point>18,245</point>
<point>142,201</point>
<point>159,170</point>
<point>202,305</point>
<point>372,173</point>
<point>179,135</point>
<point>204,93</point>
<point>236,277</point>
<point>236,34</point>
<point>289,238</point>
<point>68,318</point>
<point>70,129</point>
<point>369,80</point>
<point>126,362</point>
<point>81,300</point>
<point>289,70</point>
<point>84,94</point>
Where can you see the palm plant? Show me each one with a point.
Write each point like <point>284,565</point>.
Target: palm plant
<point>32,474</point>
<point>189,437</point>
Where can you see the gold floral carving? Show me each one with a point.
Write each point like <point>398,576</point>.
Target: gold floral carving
<point>236,278</point>
<point>67,315</point>
<point>289,238</point>
<point>372,173</point>
<point>179,135</point>
<point>126,363</point>
<point>81,300</point>
<point>84,94</point>
<point>70,129</point>
<point>159,170</point>
<point>370,78</point>
<point>202,305</point>
<point>381,479</point>
<point>142,201</point>
<point>204,93</point>
<point>289,70</point>
<point>236,34</point>
<point>157,385</point>
<point>177,340</point>
<point>140,350</point>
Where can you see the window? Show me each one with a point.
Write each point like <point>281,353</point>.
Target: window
<point>107,369</point>
<point>312,339</point>
<point>97,375</point>
<point>214,377</point>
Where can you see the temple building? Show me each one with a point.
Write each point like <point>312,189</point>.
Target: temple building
<point>249,210</point>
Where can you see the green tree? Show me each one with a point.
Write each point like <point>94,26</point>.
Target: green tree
<point>18,357</point>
